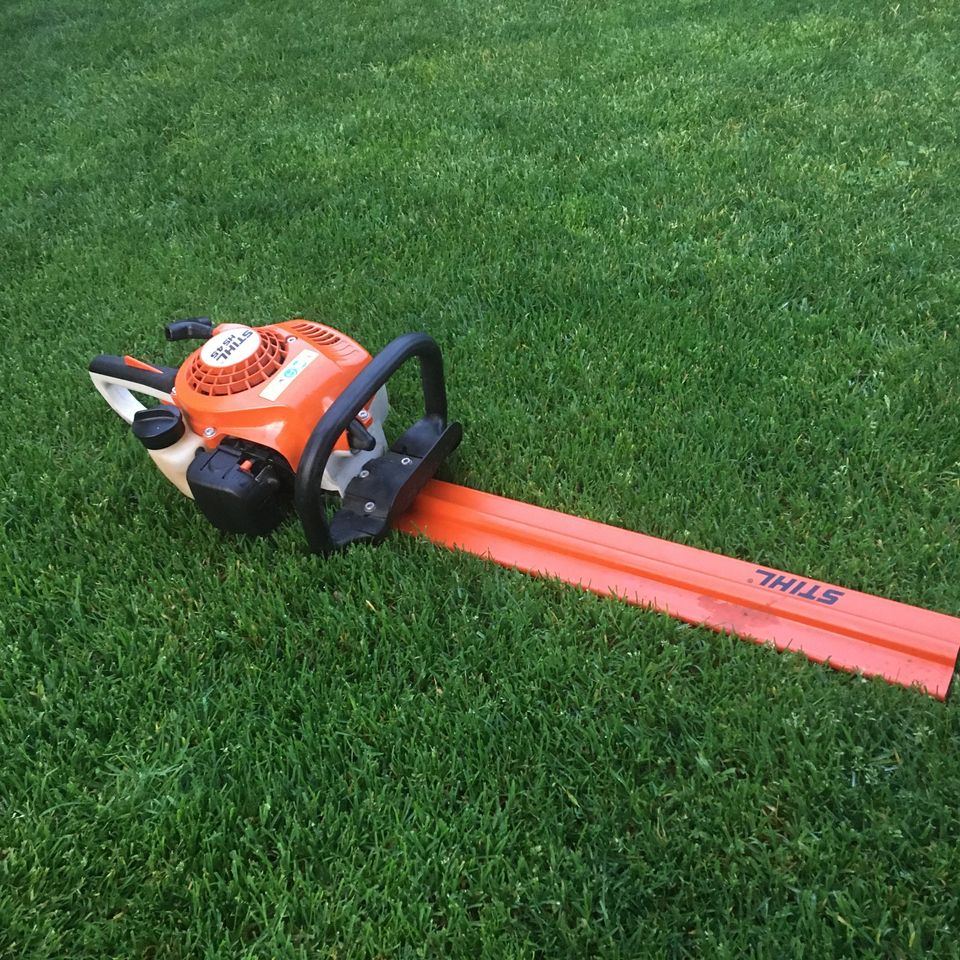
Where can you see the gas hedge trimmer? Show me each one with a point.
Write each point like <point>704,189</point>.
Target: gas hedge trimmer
<point>261,418</point>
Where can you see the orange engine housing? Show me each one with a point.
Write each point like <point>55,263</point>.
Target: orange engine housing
<point>269,385</point>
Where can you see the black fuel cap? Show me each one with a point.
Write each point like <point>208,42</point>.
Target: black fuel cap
<point>158,427</point>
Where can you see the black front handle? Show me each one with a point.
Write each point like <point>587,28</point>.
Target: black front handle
<point>418,442</point>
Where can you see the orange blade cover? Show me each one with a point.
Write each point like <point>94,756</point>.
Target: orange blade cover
<point>843,628</point>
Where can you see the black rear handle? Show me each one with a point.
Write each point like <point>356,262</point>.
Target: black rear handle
<point>117,368</point>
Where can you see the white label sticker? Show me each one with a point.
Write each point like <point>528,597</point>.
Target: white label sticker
<point>286,375</point>
<point>230,347</point>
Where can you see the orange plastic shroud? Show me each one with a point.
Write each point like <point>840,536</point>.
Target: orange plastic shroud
<point>843,628</point>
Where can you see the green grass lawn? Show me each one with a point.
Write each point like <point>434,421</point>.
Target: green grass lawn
<point>695,273</point>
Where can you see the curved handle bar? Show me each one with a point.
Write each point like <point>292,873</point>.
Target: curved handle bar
<point>117,380</point>
<point>307,493</point>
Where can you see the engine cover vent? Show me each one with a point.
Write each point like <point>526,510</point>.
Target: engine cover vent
<point>316,333</point>
<point>236,360</point>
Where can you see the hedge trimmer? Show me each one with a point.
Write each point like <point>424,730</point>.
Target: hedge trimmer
<point>261,418</point>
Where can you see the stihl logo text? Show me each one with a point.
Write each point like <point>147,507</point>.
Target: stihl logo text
<point>230,345</point>
<point>796,587</point>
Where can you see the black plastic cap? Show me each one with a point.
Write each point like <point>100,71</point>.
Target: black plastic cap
<point>158,427</point>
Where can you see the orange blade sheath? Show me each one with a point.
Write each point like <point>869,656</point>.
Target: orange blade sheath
<point>849,630</point>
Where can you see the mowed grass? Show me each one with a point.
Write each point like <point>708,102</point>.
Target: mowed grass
<point>695,273</point>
